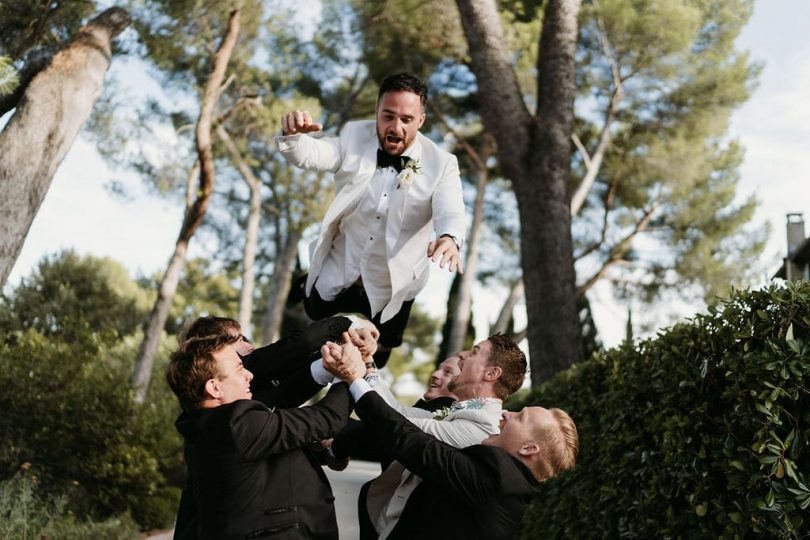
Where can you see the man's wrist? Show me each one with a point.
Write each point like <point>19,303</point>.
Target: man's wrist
<point>359,387</point>
<point>455,240</point>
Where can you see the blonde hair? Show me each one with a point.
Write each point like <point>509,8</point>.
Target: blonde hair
<point>559,446</point>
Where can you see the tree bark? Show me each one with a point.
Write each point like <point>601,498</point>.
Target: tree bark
<point>193,216</point>
<point>461,318</point>
<point>535,154</point>
<point>280,282</point>
<point>48,118</point>
<point>251,231</point>
<point>502,323</point>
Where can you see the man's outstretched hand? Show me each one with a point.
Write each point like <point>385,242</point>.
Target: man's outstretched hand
<point>298,122</point>
<point>445,251</point>
<point>343,361</point>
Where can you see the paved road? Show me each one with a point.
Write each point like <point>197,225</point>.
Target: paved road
<point>345,485</point>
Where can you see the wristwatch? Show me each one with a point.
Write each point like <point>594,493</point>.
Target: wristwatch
<point>454,239</point>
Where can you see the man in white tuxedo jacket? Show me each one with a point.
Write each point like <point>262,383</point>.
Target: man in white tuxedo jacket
<point>395,189</point>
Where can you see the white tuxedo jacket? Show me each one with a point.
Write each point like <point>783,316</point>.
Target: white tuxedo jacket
<point>431,202</point>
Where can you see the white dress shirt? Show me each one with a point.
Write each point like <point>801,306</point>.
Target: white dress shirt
<point>358,249</point>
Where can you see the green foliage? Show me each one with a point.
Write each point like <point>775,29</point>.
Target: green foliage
<point>39,23</point>
<point>25,514</point>
<point>702,432</point>
<point>668,158</point>
<point>418,347</point>
<point>70,337</point>
<point>69,418</point>
<point>71,297</point>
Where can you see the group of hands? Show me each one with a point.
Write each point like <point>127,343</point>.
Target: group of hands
<point>349,360</point>
<point>352,358</point>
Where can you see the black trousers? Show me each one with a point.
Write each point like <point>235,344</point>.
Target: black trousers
<point>354,300</point>
<point>367,530</point>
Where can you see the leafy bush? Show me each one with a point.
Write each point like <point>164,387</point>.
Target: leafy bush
<point>702,432</point>
<point>68,416</point>
<point>25,514</point>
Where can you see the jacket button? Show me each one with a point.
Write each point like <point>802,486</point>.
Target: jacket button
<point>275,382</point>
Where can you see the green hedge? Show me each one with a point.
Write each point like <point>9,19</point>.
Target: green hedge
<point>68,419</point>
<point>701,432</point>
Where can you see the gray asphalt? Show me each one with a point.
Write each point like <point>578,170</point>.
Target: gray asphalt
<point>345,485</point>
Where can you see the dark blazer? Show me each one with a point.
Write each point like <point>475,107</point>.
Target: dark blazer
<point>355,440</point>
<point>272,363</point>
<point>250,473</point>
<point>281,379</point>
<point>474,492</point>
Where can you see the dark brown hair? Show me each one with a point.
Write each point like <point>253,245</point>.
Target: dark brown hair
<point>507,356</point>
<point>192,365</point>
<point>404,82</point>
<point>209,327</point>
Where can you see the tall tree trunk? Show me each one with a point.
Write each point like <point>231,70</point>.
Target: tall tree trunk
<point>280,282</point>
<point>48,117</point>
<point>461,318</point>
<point>249,259</point>
<point>555,336</point>
<point>515,294</point>
<point>193,217</point>
<point>251,230</point>
<point>535,154</point>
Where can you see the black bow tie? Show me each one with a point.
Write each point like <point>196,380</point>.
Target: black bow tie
<point>384,159</point>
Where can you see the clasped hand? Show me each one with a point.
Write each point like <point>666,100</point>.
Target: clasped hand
<point>344,361</point>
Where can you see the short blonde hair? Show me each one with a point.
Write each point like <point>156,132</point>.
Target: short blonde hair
<point>559,446</point>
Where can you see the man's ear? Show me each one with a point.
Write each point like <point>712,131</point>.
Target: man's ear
<point>529,449</point>
<point>213,389</point>
<point>492,373</point>
<point>421,120</point>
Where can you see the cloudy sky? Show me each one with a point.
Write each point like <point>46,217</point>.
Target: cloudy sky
<point>774,127</point>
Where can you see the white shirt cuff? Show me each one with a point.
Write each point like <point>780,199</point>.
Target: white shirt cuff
<point>358,388</point>
<point>359,322</point>
<point>319,373</point>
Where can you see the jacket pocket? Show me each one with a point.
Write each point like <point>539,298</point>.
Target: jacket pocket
<point>280,510</point>
<point>270,531</point>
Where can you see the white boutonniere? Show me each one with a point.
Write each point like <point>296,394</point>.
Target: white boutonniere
<point>441,414</point>
<point>408,173</point>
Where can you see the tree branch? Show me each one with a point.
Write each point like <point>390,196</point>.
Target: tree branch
<point>195,214</point>
<point>595,163</point>
<point>619,250</point>
<point>608,205</point>
<point>467,147</point>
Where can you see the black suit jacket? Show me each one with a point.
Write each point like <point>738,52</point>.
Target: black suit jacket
<point>250,474</point>
<point>282,379</point>
<point>288,356</point>
<point>357,442</point>
<point>474,492</point>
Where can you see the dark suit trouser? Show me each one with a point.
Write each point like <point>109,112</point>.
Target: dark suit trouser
<point>367,531</point>
<point>354,300</point>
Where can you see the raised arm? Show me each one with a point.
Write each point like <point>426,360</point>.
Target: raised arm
<point>424,455</point>
<point>259,432</point>
<point>289,354</point>
<point>301,150</point>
